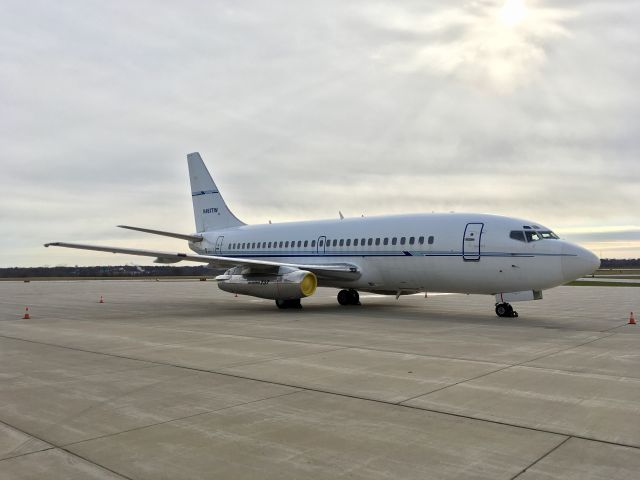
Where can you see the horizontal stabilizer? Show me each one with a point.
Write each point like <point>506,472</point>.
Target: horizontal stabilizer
<point>191,238</point>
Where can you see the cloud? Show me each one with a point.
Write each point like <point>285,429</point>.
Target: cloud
<point>304,109</point>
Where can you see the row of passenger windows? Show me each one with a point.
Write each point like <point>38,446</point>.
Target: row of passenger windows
<point>333,242</point>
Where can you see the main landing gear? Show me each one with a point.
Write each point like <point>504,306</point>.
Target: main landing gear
<point>289,303</point>
<point>505,310</point>
<point>348,297</point>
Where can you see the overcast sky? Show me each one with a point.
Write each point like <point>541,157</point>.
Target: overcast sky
<point>301,109</point>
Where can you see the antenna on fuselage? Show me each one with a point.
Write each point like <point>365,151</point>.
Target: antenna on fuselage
<point>341,215</point>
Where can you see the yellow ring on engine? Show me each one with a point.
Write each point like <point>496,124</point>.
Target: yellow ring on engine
<point>308,284</point>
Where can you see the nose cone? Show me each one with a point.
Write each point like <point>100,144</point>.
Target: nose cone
<point>578,262</point>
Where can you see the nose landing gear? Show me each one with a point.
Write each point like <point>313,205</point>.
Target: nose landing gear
<point>505,310</point>
<point>348,297</point>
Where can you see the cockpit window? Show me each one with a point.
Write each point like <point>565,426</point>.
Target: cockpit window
<point>517,235</point>
<point>532,236</point>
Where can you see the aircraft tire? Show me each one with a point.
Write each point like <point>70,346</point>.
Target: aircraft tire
<point>344,297</point>
<point>355,297</point>
<point>504,310</point>
<point>284,304</point>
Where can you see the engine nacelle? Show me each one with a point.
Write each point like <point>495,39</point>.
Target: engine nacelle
<point>287,284</point>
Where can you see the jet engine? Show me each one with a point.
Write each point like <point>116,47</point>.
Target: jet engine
<point>285,284</point>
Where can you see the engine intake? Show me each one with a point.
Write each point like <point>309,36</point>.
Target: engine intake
<point>287,284</point>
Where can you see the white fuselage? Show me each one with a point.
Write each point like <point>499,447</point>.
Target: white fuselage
<point>464,253</point>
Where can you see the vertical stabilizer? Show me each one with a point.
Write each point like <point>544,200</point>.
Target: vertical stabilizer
<point>209,209</point>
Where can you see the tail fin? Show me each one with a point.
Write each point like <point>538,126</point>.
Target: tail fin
<point>209,209</point>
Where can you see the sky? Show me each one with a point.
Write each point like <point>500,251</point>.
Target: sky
<point>304,108</point>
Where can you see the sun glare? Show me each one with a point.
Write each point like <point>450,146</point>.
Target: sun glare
<point>513,12</point>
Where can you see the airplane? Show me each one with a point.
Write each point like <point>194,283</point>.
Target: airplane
<point>470,253</point>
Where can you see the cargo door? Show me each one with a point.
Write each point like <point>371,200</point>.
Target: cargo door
<point>219,243</point>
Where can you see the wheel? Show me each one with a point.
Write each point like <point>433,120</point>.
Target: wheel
<point>283,304</point>
<point>505,310</point>
<point>344,297</point>
<point>355,297</point>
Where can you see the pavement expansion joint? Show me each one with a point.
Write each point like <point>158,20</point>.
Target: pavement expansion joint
<point>317,390</point>
<point>542,457</point>
<point>27,453</point>
<point>142,427</point>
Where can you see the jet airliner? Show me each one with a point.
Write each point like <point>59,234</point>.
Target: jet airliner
<point>509,258</point>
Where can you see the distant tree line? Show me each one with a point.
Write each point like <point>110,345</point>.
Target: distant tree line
<point>185,271</point>
<point>108,271</point>
<point>620,263</point>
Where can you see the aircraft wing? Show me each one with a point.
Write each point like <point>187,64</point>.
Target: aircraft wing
<point>331,270</point>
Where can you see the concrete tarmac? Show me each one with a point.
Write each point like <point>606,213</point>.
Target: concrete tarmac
<point>178,380</point>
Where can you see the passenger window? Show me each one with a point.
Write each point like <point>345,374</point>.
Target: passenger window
<point>386,241</point>
<point>355,242</point>
<point>348,242</point>
<point>335,242</point>
<point>342,242</point>
<point>517,235</point>
<point>403,240</point>
<point>286,244</point>
<point>313,243</point>
<point>370,241</point>
<point>362,241</point>
<point>306,242</point>
<point>377,241</point>
<point>269,245</point>
<point>421,240</point>
<point>299,243</point>
<point>321,243</point>
<point>430,240</point>
<point>394,240</point>
<point>264,244</point>
<point>280,245</point>
<point>412,240</point>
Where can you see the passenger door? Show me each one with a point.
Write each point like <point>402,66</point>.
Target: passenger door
<point>471,242</point>
<point>320,245</point>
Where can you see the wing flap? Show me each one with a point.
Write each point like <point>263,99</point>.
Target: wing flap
<point>332,270</point>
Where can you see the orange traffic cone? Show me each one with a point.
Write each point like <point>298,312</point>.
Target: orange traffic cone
<point>26,314</point>
<point>101,299</point>
<point>632,319</point>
